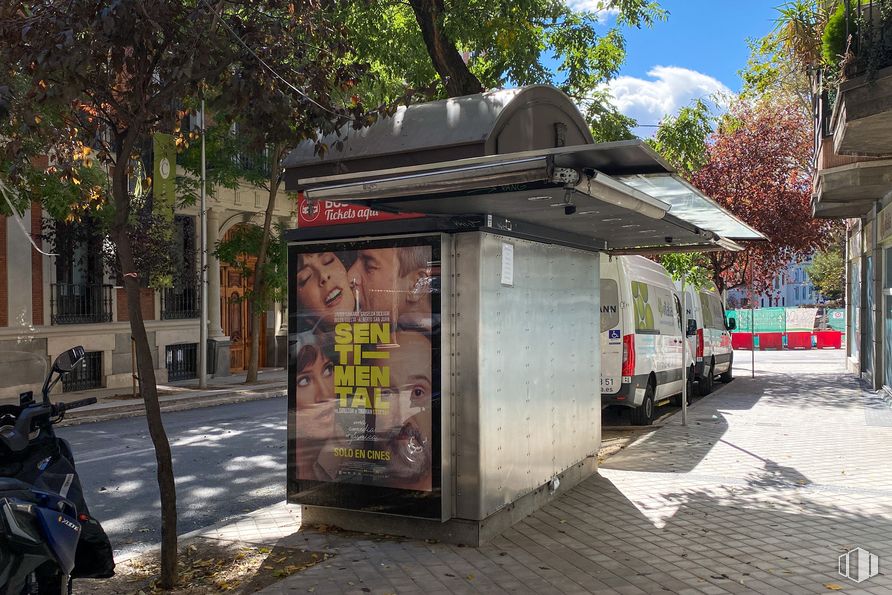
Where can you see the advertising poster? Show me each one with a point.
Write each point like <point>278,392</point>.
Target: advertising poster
<point>317,213</point>
<point>364,333</point>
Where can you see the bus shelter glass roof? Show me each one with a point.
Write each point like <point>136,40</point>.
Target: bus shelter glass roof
<point>689,204</point>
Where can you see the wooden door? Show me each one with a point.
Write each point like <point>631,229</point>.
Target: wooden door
<point>236,314</point>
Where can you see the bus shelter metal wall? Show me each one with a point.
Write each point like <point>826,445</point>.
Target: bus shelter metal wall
<point>520,414</point>
<point>526,367</point>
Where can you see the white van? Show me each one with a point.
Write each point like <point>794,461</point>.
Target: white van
<point>641,336</point>
<point>714,355</point>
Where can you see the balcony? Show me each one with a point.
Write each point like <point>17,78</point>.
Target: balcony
<point>862,114</point>
<point>181,301</point>
<point>76,303</point>
<point>847,186</point>
<point>862,117</point>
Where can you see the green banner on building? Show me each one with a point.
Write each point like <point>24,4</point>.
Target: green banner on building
<point>164,175</point>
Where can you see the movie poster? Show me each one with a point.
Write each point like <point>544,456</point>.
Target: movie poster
<point>363,361</point>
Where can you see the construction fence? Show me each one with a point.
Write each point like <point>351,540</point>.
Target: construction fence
<point>788,328</point>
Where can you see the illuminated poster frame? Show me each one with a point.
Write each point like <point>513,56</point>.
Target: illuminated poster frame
<point>384,453</point>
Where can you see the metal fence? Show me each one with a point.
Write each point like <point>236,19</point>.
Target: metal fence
<point>77,303</point>
<point>182,361</point>
<point>86,375</point>
<point>181,301</point>
<point>784,320</point>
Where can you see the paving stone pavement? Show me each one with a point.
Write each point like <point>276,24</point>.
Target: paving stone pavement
<point>771,481</point>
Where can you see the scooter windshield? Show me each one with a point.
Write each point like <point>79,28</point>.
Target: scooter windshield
<point>21,371</point>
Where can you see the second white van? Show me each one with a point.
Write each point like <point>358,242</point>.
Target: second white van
<point>641,337</point>
<point>713,353</point>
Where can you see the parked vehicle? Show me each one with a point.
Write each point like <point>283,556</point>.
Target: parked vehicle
<point>47,536</point>
<point>713,354</point>
<point>641,337</point>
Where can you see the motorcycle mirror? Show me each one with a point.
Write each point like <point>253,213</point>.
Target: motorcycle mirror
<point>67,360</point>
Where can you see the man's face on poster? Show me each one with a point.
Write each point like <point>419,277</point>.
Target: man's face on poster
<point>381,284</point>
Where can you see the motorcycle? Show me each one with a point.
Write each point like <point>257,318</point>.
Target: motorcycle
<point>47,536</point>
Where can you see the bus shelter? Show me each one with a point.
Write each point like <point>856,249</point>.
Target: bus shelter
<point>444,308</point>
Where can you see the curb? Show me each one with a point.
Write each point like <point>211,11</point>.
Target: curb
<point>137,409</point>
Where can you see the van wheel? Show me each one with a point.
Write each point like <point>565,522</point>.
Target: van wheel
<point>676,400</point>
<point>729,375</point>
<point>643,415</point>
<point>704,385</point>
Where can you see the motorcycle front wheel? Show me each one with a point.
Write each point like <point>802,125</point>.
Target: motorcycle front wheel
<point>47,580</point>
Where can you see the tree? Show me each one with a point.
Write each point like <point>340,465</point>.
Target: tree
<point>828,273</point>
<point>693,265</point>
<point>107,79</point>
<point>466,47</point>
<point>759,168</point>
<point>470,46</point>
<point>682,139</point>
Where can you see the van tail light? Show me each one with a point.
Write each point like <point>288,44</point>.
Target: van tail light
<point>629,355</point>
<point>699,343</point>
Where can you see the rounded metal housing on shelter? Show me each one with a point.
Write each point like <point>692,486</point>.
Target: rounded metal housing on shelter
<point>492,123</point>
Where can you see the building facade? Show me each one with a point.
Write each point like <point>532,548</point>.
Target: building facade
<point>853,151</point>
<point>51,303</point>
<point>791,288</point>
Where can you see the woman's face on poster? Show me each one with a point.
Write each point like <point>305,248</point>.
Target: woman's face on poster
<point>410,369</point>
<point>322,285</point>
<point>316,398</point>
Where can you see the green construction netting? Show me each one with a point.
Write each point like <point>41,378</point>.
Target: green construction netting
<point>784,320</point>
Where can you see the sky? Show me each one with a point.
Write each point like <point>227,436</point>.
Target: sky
<point>696,53</point>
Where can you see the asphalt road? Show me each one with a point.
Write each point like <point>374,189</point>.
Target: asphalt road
<point>228,460</point>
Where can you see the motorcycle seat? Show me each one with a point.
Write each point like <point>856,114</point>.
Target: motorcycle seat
<point>10,484</point>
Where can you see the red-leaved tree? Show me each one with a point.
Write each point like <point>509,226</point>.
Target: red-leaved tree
<point>759,168</point>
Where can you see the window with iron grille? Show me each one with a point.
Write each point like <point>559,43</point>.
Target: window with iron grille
<point>182,361</point>
<point>182,299</point>
<point>85,375</point>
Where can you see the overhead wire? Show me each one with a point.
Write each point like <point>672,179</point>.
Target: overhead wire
<point>270,68</point>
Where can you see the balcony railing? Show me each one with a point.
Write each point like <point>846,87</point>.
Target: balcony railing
<point>181,301</point>
<point>867,25</point>
<point>76,303</point>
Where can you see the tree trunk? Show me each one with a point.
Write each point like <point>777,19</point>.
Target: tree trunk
<point>144,366</point>
<point>258,301</point>
<point>446,59</point>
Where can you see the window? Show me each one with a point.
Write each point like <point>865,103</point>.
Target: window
<point>796,293</point>
<point>182,299</point>
<point>609,304</point>
<point>78,295</point>
<point>707,310</point>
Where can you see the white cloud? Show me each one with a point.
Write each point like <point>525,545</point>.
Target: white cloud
<point>672,88</point>
<point>594,6</point>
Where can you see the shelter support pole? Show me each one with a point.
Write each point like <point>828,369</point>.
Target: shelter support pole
<point>752,330</point>
<point>684,350</point>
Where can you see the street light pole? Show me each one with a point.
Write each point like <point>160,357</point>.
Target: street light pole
<point>203,318</point>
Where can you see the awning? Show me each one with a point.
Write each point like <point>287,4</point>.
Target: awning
<point>692,205</point>
<point>620,195</point>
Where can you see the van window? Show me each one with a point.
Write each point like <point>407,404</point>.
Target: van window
<point>707,310</point>
<point>609,304</point>
<point>716,311</point>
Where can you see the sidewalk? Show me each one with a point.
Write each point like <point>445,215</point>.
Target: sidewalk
<point>115,403</point>
<point>772,480</point>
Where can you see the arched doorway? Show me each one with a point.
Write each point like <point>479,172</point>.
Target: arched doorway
<point>236,311</point>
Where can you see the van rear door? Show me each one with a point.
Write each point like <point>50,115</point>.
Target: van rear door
<point>611,337</point>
